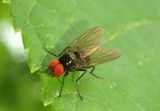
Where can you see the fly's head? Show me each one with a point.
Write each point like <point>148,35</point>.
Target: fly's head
<point>56,68</point>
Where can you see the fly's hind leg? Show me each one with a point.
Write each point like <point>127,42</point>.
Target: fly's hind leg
<point>91,72</point>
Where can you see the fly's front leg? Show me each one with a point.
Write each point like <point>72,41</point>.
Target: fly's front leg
<point>55,54</point>
<point>49,52</point>
<point>62,84</point>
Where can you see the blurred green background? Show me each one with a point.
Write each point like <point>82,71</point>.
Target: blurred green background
<point>19,91</point>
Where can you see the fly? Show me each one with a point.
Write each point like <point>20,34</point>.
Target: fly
<point>83,53</point>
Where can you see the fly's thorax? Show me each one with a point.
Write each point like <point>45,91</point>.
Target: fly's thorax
<point>67,61</point>
<point>73,61</point>
<point>77,55</point>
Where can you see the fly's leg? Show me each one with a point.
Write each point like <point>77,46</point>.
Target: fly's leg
<point>77,80</point>
<point>55,54</point>
<point>51,53</point>
<point>91,72</point>
<point>62,84</point>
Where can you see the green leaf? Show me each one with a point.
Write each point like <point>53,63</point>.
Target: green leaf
<point>131,83</point>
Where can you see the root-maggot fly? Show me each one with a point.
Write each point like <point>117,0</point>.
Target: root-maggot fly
<point>83,53</point>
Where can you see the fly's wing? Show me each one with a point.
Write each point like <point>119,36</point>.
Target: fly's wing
<point>88,44</point>
<point>87,41</point>
<point>102,56</point>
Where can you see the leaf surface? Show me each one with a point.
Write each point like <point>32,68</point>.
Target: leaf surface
<point>131,83</point>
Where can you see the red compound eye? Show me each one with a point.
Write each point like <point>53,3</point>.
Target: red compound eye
<point>52,64</point>
<point>58,70</point>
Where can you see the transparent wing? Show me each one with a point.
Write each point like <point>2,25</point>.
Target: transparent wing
<point>87,41</point>
<point>102,56</point>
<point>88,44</point>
